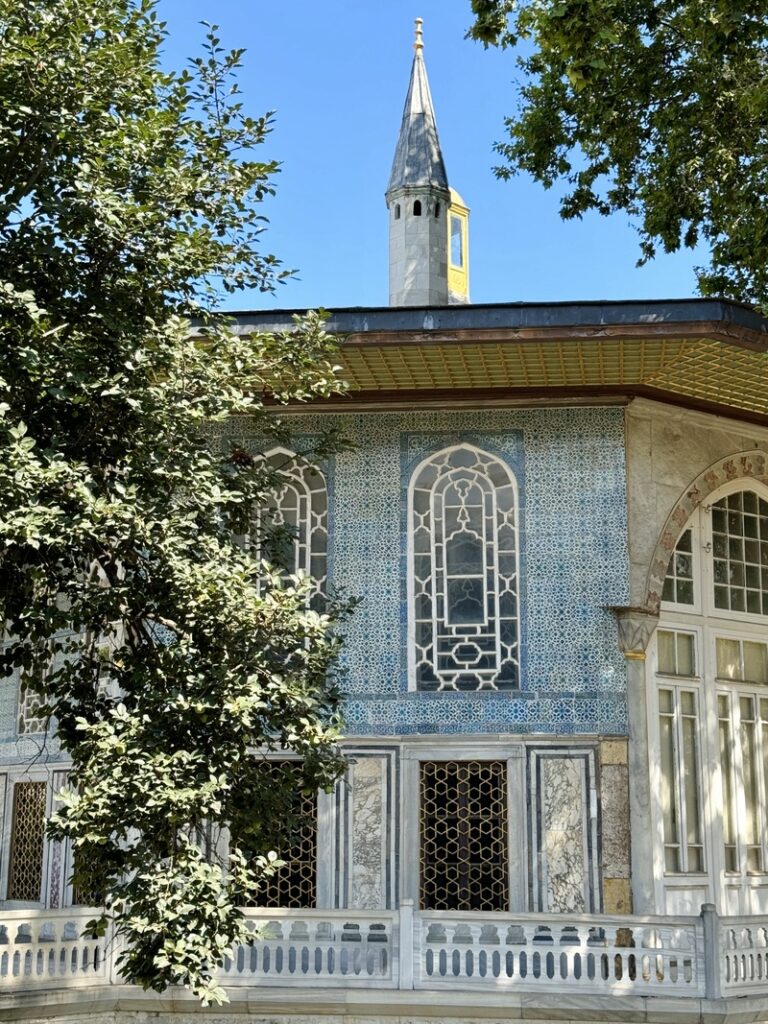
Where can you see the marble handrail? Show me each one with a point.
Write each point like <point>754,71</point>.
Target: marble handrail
<point>317,947</point>
<point>587,953</point>
<point>743,955</point>
<point>48,949</point>
<point>694,957</point>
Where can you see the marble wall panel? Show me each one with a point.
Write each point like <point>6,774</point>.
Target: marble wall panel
<point>563,829</point>
<point>368,834</point>
<point>562,835</point>
<point>614,796</point>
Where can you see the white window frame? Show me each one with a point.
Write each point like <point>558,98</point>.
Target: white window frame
<point>436,749</point>
<point>708,623</point>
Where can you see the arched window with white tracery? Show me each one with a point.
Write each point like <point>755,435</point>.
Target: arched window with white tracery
<point>710,661</point>
<point>463,573</point>
<point>292,531</point>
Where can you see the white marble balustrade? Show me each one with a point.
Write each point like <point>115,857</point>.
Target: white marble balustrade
<point>591,954</point>
<point>47,949</point>
<point>743,955</point>
<point>687,957</point>
<point>316,947</point>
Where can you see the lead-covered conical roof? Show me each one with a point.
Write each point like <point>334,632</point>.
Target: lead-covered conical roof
<point>418,159</point>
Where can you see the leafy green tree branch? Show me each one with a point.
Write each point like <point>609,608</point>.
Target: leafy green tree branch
<point>657,108</point>
<point>170,659</point>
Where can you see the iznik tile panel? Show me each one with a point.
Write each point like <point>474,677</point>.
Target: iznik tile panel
<point>569,466</point>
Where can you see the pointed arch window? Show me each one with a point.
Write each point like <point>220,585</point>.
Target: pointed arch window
<point>292,531</point>
<point>463,573</point>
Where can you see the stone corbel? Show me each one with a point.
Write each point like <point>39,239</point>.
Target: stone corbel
<point>636,626</point>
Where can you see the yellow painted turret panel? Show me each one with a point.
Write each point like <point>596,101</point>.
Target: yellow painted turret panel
<point>458,249</point>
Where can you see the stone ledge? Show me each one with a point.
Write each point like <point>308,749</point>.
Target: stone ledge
<point>263,1005</point>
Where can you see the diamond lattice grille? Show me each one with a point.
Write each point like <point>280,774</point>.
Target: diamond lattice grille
<point>294,884</point>
<point>25,876</point>
<point>464,850</point>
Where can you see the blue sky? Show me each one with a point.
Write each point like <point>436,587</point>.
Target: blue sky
<point>336,73</point>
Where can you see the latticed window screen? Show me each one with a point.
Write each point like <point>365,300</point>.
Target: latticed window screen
<point>464,573</point>
<point>301,505</point>
<point>294,885</point>
<point>464,844</point>
<point>25,873</point>
<point>740,553</point>
<point>29,723</point>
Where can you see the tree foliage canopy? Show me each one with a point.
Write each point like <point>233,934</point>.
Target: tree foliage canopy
<point>655,107</point>
<point>165,653</point>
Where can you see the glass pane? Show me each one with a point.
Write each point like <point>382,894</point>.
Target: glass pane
<point>668,592</point>
<point>466,603</point>
<point>754,859</point>
<point>749,762</point>
<point>671,858</point>
<point>755,662</point>
<point>666,652</point>
<point>684,592</point>
<point>668,775</point>
<point>464,554</point>
<point>691,762</point>
<point>685,655</point>
<point>726,766</point>
<point>665,701</point>
<point>457,249</point>
<point>695,858</point>
<point>684,544</point>
<point>728,658</point>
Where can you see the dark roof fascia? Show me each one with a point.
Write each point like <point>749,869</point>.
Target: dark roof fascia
<point>550,318</point>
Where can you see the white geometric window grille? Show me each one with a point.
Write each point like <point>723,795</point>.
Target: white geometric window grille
<point>29,723</point>
<point>30,699</point>
<point>300,503</point>
<point>740,553</point>
<point>463,573</point>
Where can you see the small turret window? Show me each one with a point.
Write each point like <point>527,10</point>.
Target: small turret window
<point>437,209</point>
<point>457,242</point>
<point>417,208</point>
<point>397,211</point>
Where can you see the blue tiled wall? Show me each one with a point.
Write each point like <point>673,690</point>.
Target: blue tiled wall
<point>569,464</point>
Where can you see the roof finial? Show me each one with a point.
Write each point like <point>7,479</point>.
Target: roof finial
<point>418,43</point>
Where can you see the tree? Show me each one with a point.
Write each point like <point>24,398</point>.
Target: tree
<point>165,653</point>
<point>655,107</point>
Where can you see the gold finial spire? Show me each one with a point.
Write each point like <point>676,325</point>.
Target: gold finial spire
<point>418,43</point>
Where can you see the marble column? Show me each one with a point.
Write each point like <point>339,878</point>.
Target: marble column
<point>636,626</point>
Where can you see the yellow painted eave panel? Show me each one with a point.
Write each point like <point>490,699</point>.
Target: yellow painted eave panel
<point>700,368</point>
